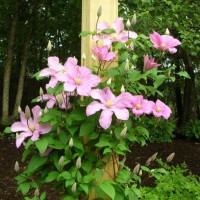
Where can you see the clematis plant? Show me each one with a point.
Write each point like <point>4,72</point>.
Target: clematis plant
<point>75,138</point>
<point>29,127</point>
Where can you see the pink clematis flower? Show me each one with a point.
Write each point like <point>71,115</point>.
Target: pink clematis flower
<point>149,63</point>
<point>57,71</point>
<point>109,104</point>
<point>102,53</point>
<point>160,109</point>
<point>30,128</point>
<point>141,106</point>
<point>82,80</point>
<point>61,99</point>
<point>164,42</point>
<point>120,34</point>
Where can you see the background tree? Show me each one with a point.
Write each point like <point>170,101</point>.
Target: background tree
<point>35,23</point>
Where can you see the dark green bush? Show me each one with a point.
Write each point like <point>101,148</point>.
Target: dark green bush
<point>160,130</point>
<point>192,129</point>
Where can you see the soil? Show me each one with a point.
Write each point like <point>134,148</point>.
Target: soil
<point>185,151</point>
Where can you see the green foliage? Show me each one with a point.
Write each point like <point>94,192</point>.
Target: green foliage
<point>174,185</point>
<point>192,129</point>
<point>160,130</point>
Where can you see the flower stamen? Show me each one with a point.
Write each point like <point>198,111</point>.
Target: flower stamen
<point>158,109</point>
<point>109,104</point>
<point>138,106</point>
<point>77,81</point>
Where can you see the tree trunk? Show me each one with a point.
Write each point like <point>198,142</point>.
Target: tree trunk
<point>190,107</point>
<point>179,102</point>
<point>7,68</point>
<point>22,74</point>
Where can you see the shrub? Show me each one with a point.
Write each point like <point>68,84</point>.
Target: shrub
<point>192,129</point>
<point>160,130</point>
<point>174,185</point>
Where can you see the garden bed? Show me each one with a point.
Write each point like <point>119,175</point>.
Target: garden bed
<point>186,151</point>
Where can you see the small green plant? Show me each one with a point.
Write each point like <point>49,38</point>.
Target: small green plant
<point>177,183</point>
<point>160,130</point>
<point>192,129</point>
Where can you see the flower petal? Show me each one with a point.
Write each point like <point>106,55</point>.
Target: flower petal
<point>105,119</point>
<point>94,107</point>
<point>21,137</point>
<point>122,114</point>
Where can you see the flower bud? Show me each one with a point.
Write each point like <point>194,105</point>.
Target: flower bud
<point>71,142</point>
<point>74,187</point>
<point>148,162</point>
<point>37,192</point>
<point>93,57</point>
<point>46,110</point>
<point>61,161</point>
<point>58,130</point>
<point>41,92</point>
<point>136,169</point>
<point>123,132</point>
<point>133,67</point>
<point>99,12</point>
<point>111,132</point>
<point>78,163</point>
<point>83,56</point>
<point>170,157</point>
<point>133,21</point>
<point>122,88</point>
<point>128,24</point>
<point>167,32</point>
<point>140,173</point>
<point>16,166</point>
<point>109,81</point>
<point>49,46</point>
<point>127,65</point>
<point>19,110</point>
<point>59,99</point>
<point>27,113</point>
<point>153,157</point>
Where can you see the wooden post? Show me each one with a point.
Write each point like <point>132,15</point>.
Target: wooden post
<point>89,19</point>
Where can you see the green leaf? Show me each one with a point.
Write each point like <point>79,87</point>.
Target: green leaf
<point>85,187</point>
<point>106,187</point>
<point>41,145</point>
<point>43,196</point>
<point>66,175</point>
<point>69,198</point>
<point>36,162</point>
<point>103,142</point>
<point>108,31</point>
<point>159,80</point>
<point>86,128</point>
<point>69,182</point>
<point>85,33</point>
<point>51,176</point>
<point>184,74</point>
<point>123,56</point>
<point>24,187</point>
<point>7,130</point>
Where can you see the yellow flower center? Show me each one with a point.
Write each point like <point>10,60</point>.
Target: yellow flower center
<point>77,81</point>
<point>163,45</point>
<point>158,109</point>
<point>138,106</point>
<point>109,103</point>
<point>31,127</point>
